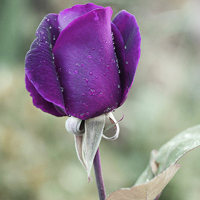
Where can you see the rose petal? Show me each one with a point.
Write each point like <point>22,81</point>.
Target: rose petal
<point>119,49</point>
<point>86,64</point>
<point>68,15</point>
<point>39,63</point>
<point>129,29</point>
<point>39,101</point>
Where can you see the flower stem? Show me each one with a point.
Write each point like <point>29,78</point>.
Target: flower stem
<point>99,178</point>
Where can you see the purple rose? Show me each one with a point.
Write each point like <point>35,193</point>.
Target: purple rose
<point>81,63</point>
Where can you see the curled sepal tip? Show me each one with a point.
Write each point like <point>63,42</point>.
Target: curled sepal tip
<point>115,123</point>
<point>74,126</point>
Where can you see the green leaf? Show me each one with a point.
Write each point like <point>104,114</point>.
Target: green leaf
<point>171,152</point>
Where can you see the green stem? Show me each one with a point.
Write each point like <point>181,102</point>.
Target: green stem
<point>99,178</point>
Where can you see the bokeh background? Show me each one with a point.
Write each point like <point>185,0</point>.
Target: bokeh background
<point>37,156</point>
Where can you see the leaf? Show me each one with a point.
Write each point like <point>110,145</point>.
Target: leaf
<point>148,190</point>
<point>171,152</point>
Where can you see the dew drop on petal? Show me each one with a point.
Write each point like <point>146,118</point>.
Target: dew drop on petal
<point>112,60</point>
<point>75,72</point>
<point>82,114</point>
<point>125,47</point>
<point>82,64</point>
<point>85,105</point>
<point>127,62</point>
<point>92,92</point>
<point>118,85</point>
<point>96,18</point>
<point>86,80</point>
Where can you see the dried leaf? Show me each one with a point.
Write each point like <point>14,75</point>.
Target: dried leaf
<point>148,190</point>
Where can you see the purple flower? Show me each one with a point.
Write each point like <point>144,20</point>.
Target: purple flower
<point>81,63</point>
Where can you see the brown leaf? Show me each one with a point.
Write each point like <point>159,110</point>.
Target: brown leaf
<point>148,190</point>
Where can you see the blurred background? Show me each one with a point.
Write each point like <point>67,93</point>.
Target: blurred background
<point>37,156</point>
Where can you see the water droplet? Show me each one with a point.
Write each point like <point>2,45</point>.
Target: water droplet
<point>127,62</point>
<point>90,73</point>
<point>87,113</point>
<point>85,105</point>
<point>83,94</point>
<point>93,48</point>
<point>118,86</point>
<point>82,64</point>
<point>92,92</point>
<point>54,37</point>
<point>108,66</point>
<point>86,80</point>
<point>119,71</point>
<point>125,47</point>
<point>47,19</point>
<point>62,89</point>
<point>112,60</point>
<point>50,27</point>
<point>75,72</point>
<point>82,114</point>
<point>96,18</point>
<point>53,56</point>
<point>89,56</point>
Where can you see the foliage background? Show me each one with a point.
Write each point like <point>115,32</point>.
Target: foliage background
<point>37,155</point>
